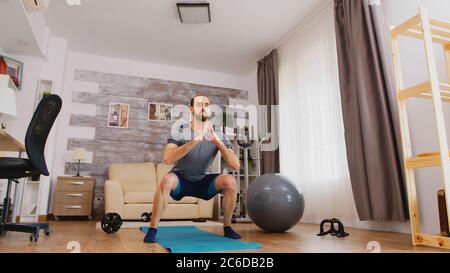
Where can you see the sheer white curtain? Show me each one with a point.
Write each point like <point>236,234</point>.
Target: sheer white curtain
<point>312,143</point>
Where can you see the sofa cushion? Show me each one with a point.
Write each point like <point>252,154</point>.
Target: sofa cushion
<point>139,197</point>
<point>134,177</point>
<point>130,186</point>
<point>173,212</point>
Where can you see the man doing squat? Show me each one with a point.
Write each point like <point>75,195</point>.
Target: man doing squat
<point>191,150</point>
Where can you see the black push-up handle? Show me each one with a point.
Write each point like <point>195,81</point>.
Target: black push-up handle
<point>340,232</point>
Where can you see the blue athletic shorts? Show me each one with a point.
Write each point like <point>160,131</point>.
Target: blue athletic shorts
<point>204,189</point>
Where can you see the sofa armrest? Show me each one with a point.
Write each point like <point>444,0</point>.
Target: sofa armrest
<point>114,200</point>
<point>205,208</point>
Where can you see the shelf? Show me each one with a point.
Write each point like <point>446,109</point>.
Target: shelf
<point>429,31</point>
<point>440,30</point>
<point>432,240</point>
<point>5,80</point>
<point>423,90</point>
<point>424,161</point>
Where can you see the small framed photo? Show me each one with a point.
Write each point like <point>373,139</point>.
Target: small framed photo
<point>14,69</point>
<point>159,112</point>
<point>118,115</point>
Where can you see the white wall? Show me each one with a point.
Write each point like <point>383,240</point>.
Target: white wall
<point>22,33</point>
<point>250,84</point>
<point>40,30</point>
<point>125,67</point>
<point>420,113</point>
<point>53,69</point>
<point>50,68</point>
<point>24,102</point>
<point>25,97</point>
<point>35,68</point>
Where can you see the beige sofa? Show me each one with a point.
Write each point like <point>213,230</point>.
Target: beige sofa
<point>130,191</point>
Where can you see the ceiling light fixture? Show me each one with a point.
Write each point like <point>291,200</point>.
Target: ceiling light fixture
<point>194,13</point>
<point>73,2</point>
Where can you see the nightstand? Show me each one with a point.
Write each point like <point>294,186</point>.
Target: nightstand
<point>74,196</point>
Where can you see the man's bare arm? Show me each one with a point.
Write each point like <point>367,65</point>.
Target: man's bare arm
<point>229,156</point>
<point>173,153</point>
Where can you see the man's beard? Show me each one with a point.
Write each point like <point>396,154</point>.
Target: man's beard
<point>202,118</point>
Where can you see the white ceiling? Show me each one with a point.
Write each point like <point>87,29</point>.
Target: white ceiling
<point>241,32</point>
<point>16,34</point>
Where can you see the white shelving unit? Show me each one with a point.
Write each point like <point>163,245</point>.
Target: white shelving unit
<point>242,118</point>
<point>430,31</point>
<point>29,207</point>
<point>218,167</point>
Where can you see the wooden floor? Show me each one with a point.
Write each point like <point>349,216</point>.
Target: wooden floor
<point>301,239</point>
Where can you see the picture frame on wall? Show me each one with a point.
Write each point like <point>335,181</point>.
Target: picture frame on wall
<point>160,112</point>
<point>14,69</point>
<point>118,115</point>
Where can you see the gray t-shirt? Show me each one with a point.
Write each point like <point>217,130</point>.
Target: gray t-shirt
<point>195,165</point>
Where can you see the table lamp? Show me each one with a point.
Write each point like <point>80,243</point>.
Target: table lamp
<point>79,154</point>
<point>8,109</point>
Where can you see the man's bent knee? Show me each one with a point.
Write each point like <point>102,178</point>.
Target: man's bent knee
<point>168,182</point>
<point>229,183</point>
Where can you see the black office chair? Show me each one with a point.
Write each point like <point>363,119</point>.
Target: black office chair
<point>16,168</point>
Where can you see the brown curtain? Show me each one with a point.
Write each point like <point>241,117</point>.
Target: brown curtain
<point>369,116</point>
<point>268,96</point>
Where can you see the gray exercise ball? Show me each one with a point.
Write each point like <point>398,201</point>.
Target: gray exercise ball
<point>274,203</point>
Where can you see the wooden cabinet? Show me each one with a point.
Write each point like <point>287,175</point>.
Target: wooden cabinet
<point>74,196</point>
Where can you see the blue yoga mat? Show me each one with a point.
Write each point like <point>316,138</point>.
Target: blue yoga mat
<point>190,239</point>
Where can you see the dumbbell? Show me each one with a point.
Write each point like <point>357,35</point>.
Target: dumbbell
<point>146,217</point>
<point>111,222</point>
